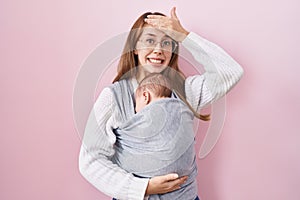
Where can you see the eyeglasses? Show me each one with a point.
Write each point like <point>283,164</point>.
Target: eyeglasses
<point>166,45</point>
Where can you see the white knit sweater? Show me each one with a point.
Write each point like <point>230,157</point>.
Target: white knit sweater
<point>221,74</point>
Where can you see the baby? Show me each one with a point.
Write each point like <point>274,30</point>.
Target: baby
<point>159,138</point>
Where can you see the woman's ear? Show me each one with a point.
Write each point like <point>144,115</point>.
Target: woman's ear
<point>135,52</point>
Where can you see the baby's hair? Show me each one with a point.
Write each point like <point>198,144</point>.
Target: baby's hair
<point>157,83</point>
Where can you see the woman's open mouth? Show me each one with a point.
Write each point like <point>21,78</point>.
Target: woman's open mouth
<point>155,60</point>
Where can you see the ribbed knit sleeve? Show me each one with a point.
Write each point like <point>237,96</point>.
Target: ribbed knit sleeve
<point>222,72</point>
<point>96,150</point>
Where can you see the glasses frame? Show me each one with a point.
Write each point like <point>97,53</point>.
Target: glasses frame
<point>174,45</point>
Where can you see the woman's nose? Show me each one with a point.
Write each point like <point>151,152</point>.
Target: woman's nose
<point>157,48</point>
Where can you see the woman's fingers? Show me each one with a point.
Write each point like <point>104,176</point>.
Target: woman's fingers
<point>155,22</point>
<point>178,181</point>
<point>160,22</point>
<point>173,13</point>
<point>169,177</point>
<point>155,16</point>
<point>164,184</point>
<point>174,184</point>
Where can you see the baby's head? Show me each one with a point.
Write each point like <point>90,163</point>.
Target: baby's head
<point>153,87</point>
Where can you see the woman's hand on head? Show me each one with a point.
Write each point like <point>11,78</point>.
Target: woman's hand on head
<point>164,184</point>
<point>169,25</point>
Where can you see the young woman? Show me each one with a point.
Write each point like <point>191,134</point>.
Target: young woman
<point>151,46</point>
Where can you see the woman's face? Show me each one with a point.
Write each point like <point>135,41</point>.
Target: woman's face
<point>154,50</point>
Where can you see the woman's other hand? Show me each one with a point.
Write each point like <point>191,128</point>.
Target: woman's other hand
<point>164,184</point>
<point>169,25</point>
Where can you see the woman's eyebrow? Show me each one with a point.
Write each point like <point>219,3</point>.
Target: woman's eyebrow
<point>150,34</point>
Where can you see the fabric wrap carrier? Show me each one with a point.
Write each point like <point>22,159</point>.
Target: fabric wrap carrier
<point>157,140</point>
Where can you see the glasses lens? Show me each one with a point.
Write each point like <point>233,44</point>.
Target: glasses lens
<point>166,45</point>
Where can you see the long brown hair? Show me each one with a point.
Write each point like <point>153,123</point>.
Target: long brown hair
<point>129,62</point>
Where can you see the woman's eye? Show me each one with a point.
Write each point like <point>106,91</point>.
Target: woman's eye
<point>166,43</point>
<point>149,41</point>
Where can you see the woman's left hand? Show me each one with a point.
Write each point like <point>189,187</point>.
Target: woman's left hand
<point>169,25</point>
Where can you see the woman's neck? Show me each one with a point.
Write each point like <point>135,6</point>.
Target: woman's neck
<point>140,75</point>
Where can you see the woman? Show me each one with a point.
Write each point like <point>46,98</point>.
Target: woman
<point>151,46</point>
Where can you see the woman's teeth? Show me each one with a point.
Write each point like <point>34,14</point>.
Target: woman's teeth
<point>155,61</point>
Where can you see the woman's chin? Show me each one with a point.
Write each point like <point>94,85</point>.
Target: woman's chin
<point>154,68</point>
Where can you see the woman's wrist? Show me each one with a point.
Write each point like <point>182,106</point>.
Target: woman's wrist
<point>183,34</point>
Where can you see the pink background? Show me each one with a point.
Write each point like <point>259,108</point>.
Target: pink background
<point>44,43</point>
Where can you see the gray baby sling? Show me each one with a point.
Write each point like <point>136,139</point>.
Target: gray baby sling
<point>156,141</point>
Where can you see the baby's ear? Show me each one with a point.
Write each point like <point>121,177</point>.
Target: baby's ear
<point>146,97</point>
